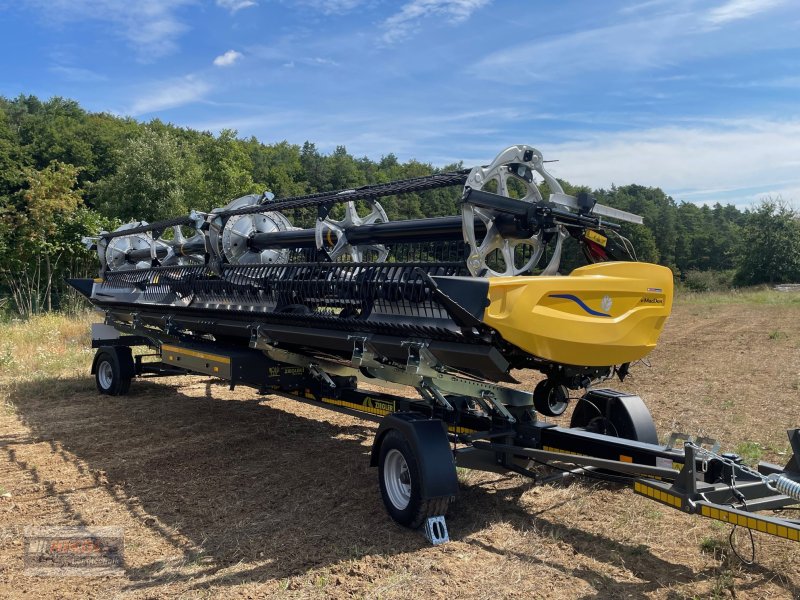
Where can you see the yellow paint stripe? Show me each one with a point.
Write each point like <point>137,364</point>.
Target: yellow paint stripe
<point>213,357</point>
<point>659,495</point>
<point>377,411</point>
<point>560,451</point>
<point>751,522</point>
<point>359,407</point>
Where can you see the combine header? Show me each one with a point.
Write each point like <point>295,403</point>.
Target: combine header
<point>448,307</point>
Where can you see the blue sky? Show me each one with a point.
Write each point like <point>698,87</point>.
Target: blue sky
<point>699,98</point>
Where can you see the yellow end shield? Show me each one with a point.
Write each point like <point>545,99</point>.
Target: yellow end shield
<point>599,315</point>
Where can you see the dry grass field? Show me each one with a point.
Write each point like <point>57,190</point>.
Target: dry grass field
<point>234,495</point>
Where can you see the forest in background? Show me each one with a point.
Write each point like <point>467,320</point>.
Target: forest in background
<point>67,173</point>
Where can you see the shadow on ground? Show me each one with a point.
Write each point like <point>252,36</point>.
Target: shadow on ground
<point>246,482</point>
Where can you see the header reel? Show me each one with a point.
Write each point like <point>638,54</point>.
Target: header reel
<point>505,225</point>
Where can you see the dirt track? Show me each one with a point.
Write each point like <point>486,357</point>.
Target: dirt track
<point>231,494</point>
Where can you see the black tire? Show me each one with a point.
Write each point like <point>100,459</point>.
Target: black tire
<point>112,371</point>
<point>417,510</point>
<point>550,399</point>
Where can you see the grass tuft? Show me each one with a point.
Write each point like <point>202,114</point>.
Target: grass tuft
<point>755,295</point>
<point>45,345</point>
<point>714,546</point>
<point>751,452</point>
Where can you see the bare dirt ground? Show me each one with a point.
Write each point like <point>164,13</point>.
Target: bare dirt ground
<point>234,495</point>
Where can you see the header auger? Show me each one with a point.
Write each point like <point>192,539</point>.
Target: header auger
<point>448,306</point>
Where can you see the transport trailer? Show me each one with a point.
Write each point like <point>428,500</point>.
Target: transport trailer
<point>448,308</point>
<point>461,422</point>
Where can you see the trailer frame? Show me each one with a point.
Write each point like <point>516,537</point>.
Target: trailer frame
<point>458,421</point>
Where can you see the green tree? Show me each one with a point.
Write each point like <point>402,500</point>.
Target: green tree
<point>640,201</point>
<point>11,158</point>
<point>226,171</point>
<point>41,225</point>
<point>278,167</point>
<point>770,249</point>
<point>343,170</point>
<point>315,168</point>
<point>153,180</point>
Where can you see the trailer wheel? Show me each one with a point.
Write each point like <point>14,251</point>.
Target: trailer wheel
<point>113,368</point>
<point>550,399</point>
<point>615,413</point>
<point>401,484</point>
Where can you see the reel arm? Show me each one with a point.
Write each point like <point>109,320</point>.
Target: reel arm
<point>527,223</point>
<point>530,218</point>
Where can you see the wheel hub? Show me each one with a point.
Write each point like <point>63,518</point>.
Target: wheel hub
<point>397,479</point>
<point>105,374</point>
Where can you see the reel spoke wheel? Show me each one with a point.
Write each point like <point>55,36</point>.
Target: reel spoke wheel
<point>495,255</point>
<point>175,255</point>
<point>229,236</point>
<point>328,228</point>
<point>116,255</point>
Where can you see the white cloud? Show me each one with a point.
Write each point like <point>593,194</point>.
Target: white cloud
<point>640,6</point>
<point>633,45</point>
<point>150,26</point>
<point>728,161</point>
<point>790,195</point>
<point>326,62</point>
<point>403,23</point>
<point>735,10</point>
<point>657,40</point>
<point>77,74</point>
<point>227,59</point>
<point>704,160</point>
<point>329,7</point>
<point>170,95</point>
<point>236,5</point>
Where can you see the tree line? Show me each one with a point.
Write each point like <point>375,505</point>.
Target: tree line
<point>67,173</point>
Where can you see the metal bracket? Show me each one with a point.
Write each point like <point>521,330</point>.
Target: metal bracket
<point>794,441</point>
<point>258,339</point>
<point>419,358</point>
<point>385,374</point>
<point>433,395</point>
<point>436,530</point>
<point>317,372</point>
<point>169,325</point>
<point>677,436</point>
<point>200,219</point>
<point>487,395</point>
<point>359,349</point>
<point>253,343</point>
